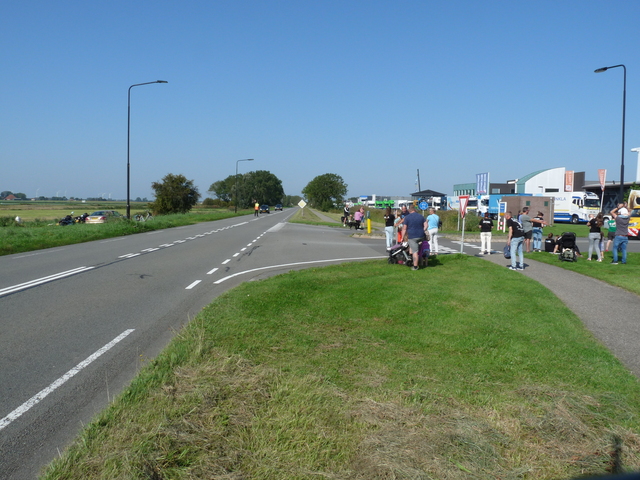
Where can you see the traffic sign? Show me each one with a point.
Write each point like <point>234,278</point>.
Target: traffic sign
<point>423,205</point>
<point>464,201</point>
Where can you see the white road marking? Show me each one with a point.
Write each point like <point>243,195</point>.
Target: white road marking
<point>38,397</point>
<point>218,282</point>
<point>193,285</point>
<point>212,271</point>
<point>39,281</point>
<point>236,254</point>
<point>226,261</point>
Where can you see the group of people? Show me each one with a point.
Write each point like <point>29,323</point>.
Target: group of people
<point>356,218</point>
<point>617,230</point>
<point>408,225</point>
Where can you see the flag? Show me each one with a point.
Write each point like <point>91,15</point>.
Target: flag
<point>482,183</point>
<point>602,175</point>
<point>568,181</point>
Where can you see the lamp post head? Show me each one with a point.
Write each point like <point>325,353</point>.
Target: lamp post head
<point>600,70</point>
<point>161,81</point>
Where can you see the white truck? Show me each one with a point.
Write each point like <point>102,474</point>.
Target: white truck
<point>575,207</point>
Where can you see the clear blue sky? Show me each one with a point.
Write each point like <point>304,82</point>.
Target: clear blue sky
<point>370,90</point>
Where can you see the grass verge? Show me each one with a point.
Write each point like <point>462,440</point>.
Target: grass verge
<point>36,235</point>
<point>347,372</point>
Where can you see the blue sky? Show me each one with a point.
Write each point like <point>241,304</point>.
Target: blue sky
<point>369,90</point>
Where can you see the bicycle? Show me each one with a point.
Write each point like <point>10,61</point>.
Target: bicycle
<point>140,217</point>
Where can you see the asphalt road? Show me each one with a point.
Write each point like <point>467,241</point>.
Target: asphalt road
<point>77,322</point>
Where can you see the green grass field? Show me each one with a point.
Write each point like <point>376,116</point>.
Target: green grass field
<point>347,372</point>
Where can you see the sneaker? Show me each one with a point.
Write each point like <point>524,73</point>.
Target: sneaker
<point>613,263</point>
<point>414,268</point>
<point>520,269</point>
<point>511,268</point>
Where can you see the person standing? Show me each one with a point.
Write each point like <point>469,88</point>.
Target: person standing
<point>414,228</point>
<point>621,215</point>
<point>537,232</point>
<point>398,226</point>
<point>527,225</point>
<point>433,222</point>
<point>594,224</point>
<point>346,214</point>
<point>515,240</point>
<point>389,221</point>
<point>611,233</point>
<point>256,209</point>
<point>486,225</point>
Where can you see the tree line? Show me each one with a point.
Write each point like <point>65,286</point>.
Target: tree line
<point>177,194</point>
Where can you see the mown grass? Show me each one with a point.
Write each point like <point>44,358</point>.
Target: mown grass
<point>371,371</point>
<point>37,235</point>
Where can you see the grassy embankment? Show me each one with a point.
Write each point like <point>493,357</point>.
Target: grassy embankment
<point>347,372</point>
<point>40,229</point>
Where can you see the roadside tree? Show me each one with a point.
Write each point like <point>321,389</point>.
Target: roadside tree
<point>260,185</point>
<point>175,194</point>
<point>325,191</point>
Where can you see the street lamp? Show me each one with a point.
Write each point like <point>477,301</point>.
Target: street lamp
<point>129,136</point>
<point>624,106</point>
<point>236,187</point>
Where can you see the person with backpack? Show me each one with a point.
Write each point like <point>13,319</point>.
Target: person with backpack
<point>515,241</point>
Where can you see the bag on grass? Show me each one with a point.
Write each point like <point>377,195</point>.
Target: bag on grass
<point>507,251</point>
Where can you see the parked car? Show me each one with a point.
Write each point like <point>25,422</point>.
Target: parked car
<point>103,216</point>
<point>264,209</point>
<point>278,207</point>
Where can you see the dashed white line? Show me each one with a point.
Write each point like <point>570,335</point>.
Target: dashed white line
<point>212,271</point>
<point>193,285</point>
<point>236,254</point>
<point>226,261</point>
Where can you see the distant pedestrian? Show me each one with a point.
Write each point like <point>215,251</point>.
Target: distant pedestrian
<point>515,240</point>
<point>433,220</point>
<point>611,233</point>
<point>346,213</point>
<point>527,225</point>
<point>621,215</point>
<point>537,232</point>
<point>595,224</point>
<point>398,225</point>
<point>256,209</point>
<point>389,221</point>
<point>358,217</point>
<point>486,225</point>
<point>414,228</point>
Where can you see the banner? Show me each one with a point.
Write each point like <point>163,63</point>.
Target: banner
<point>602,175</point>
<point>482,183</point>
<point>568,181</point>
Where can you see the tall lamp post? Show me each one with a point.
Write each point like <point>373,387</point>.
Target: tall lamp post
<point>236,187</point>
<point>624,106</point>
<point>128,138</point>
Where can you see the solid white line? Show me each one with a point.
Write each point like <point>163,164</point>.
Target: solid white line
<point>212,271</point>
<point>38,281</point>
<point>218,282</point>
<point>26,406</point>
<point>193,285</point>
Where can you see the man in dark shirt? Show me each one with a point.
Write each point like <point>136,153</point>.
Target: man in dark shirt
<point>515,239</point>
<point>486,225</point>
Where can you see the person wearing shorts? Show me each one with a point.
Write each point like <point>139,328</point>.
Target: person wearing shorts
<point>414,228</point>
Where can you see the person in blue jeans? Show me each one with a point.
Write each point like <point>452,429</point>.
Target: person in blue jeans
<point>515,241</point>
<point>621,216</point>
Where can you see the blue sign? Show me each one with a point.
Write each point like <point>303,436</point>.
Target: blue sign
<point>423,205</point>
